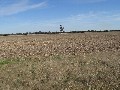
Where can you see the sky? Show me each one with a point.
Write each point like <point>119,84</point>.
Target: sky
<point>47,15</point>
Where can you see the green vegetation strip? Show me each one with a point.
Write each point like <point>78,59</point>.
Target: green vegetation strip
<point>8,61</point>
<point>3,62</point>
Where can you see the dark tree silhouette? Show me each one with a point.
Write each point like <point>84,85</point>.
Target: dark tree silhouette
<point>61,28</point>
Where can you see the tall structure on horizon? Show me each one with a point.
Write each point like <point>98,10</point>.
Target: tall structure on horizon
<point>61,28</point>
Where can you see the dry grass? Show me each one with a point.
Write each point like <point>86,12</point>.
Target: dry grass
<point>85,61</point>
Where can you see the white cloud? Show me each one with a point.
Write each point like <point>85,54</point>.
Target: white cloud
<point>91,20</point>
<point>92,0</point>
<point>96,17</point>
<point>19,6</point>
<point>87,1</point>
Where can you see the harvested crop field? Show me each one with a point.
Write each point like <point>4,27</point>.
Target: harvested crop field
<point>81,61</point>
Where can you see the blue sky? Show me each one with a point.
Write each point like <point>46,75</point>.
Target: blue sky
<point>47,15</point>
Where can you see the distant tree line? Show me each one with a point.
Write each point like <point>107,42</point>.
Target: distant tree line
<point>49,32</point>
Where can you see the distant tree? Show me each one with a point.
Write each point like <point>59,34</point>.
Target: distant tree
<point>25,33</point>
<point>5,34</point>
<point>18,33</point>
<point>92,30</point>
<point>36,32</point>
<point>49,32</point>
<point>30,33</point>
<point>61,28</point>
<point>105,30</point>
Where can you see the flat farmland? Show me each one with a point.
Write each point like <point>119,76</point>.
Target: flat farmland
<point>76,61</point>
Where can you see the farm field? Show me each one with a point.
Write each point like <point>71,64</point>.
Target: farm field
<point>78,61</point>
